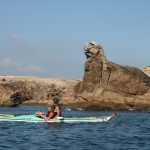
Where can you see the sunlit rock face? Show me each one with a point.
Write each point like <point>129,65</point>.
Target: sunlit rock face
<point>16,90</point>
<point>105,86</point>
<point>146,70</point>
<point>111,85</point>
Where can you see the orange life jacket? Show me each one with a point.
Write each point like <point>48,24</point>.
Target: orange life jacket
<point>50,114</point>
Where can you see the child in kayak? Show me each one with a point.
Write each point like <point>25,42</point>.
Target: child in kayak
<point>48,115</point>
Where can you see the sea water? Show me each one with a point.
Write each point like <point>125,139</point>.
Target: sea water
<point>127,130</point>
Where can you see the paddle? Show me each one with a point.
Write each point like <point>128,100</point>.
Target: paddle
<point>11,115</point>
<point>7,115</point>
<point>19,114</point>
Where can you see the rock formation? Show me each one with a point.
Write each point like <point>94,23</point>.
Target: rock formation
<point>35,90</point>
<point>146,70</point>
<point>107,85</point>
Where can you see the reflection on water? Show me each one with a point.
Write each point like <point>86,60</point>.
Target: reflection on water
<point>127,130</point>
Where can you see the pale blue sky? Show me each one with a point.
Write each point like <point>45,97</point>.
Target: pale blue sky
<point>46,37</point>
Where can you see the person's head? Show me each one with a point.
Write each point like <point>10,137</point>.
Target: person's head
<point>49,108</point>
<point>56,101</point>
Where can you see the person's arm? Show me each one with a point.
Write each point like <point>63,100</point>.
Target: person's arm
<point>45,118</point>
<point>58,111</point>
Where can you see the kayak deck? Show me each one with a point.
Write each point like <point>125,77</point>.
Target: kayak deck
<point>33,118</point>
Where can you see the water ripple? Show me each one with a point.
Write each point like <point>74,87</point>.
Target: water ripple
<point>128,130</point>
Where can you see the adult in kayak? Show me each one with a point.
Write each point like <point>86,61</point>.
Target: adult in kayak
<point>56,108</point>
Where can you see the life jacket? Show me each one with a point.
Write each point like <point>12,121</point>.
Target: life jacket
<point>53,108</point>
<point>50,114</point>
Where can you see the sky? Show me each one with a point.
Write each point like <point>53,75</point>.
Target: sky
<point>46,37</point>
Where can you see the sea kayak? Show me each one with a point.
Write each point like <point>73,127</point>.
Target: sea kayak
<point>34,118</point>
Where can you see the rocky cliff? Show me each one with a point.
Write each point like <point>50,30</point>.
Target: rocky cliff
<point>15,90</point>
<point>107,85</point>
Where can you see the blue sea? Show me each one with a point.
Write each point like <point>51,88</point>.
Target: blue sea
<point>128,130</point>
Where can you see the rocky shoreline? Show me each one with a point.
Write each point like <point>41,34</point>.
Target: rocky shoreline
<point>28,90</point>
<point>105,86</point>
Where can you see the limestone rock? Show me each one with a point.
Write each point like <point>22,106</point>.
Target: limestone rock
<point>108,84</point>
<point>105,86</point>
<point>146,70</point>
<point>35,90</point>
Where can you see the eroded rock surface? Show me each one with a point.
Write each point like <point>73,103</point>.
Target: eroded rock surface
<point>110,85</point>
<point>146,70</point>
<point>105,86</point>
<point>35,90</point>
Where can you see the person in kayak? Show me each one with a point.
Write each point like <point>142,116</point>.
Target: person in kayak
<point>56,108</point>
<point>49,114</point>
